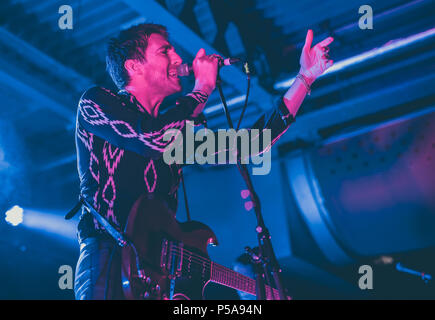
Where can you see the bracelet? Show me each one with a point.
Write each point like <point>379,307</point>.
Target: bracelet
<point>301,77</point>
<point>285,114</point>
<point>199,96</point>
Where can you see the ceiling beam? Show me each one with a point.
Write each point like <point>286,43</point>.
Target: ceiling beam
<point>36,98</point>
<point>37,92</point>
<point>41,94</point>
<point>307,126</point>
<point>44,61</point>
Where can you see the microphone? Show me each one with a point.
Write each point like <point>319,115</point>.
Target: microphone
<point>186,69</point>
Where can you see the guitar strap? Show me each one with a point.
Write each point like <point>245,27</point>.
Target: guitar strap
<point>185,196</point>
<point>111,230</point>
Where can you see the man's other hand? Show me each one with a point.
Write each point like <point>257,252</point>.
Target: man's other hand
<point>314,61</point>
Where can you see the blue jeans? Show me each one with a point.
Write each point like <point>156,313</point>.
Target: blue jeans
<point>92,267</point>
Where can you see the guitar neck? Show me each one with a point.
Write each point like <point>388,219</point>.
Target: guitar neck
<point>229,278</point>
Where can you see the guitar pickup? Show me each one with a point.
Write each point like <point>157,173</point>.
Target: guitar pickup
<point>180,259</point>
<point>164,254</point>
<point>171,257</point>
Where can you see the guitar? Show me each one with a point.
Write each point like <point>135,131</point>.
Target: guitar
<point>173,257</point>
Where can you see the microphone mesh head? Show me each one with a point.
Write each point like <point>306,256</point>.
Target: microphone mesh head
<point>183,70</point>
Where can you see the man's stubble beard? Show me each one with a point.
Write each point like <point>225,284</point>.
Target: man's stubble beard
<point>166,85</point>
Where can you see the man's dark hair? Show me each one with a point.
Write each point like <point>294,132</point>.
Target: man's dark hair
<point>129,44</point>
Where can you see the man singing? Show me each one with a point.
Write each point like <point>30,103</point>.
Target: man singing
<point>120,145</point>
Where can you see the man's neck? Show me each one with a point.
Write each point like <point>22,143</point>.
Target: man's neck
<point>149,100</point>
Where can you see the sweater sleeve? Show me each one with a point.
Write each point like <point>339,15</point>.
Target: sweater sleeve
<point>109,117</point>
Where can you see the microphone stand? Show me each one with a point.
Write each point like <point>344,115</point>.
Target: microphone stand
<point>266,253</point>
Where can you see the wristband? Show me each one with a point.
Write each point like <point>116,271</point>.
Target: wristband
<point>301,77</point>
<point>199,96</point>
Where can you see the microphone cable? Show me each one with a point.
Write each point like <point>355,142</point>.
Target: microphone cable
<point>248,78</point>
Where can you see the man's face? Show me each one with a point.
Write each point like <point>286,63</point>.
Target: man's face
<point>160,68</point>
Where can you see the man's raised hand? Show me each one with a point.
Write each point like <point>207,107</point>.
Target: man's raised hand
<point>314,60</point>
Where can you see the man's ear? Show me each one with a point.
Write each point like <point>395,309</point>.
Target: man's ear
<point>132,66</point>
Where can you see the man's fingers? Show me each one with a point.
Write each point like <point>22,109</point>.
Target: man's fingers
<point>216,56</point>
<point>308,40</point>
<point>200,53</point>
<point>329,63</point>
<point>325,42</point>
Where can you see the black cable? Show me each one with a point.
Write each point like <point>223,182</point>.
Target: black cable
<point>248,77</point>
<point>185,196</point>
<point>224,102</point>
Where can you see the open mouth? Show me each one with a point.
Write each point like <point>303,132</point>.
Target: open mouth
<point>173,74</point>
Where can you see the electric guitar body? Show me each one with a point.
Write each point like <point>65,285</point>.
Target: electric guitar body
<point>172,257</point>
<point>170,253</point>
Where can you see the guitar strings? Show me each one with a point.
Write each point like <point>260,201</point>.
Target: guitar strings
<point>203,261</point>
<point>270,291</point>
<point>207,263</point>
<point>249,288</point>
<point>200,259</point>
<point>192,254</point>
